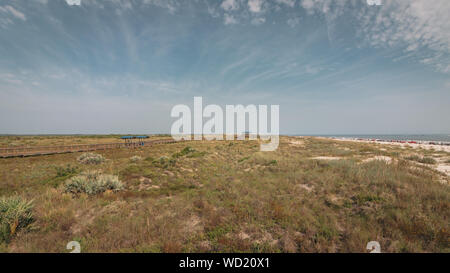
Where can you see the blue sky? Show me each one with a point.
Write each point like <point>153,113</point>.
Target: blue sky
<point>116,66</point>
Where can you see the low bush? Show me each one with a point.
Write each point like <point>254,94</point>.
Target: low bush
<point>164,162</point>
<point>427,160</point>
<point>188,152</point>
<point>65,171</point>
<point>185,151</point>
<point>15,214</point>
<point>243,159</point>
<point>93,182</point>
<point>424,160</point>
<point>91,158</point>
<point>149,158</point>
<point>273,162</point>
<point>135,158</point>
<point>62,174</point>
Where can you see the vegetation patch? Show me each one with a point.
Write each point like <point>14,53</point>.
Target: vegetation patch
<point>164,162</point>
<point>62,174</point>
<point>424,160</point>
<point>236,199</point>
<point>243,159</point>
<point>66,171</point>
<point>366,198</point>
<point>149,158</point>
<point>272,162</point>
<point>91,158</point>
<point>15,214</point>
<point>135,158</point>
<point>196,154</point>
<point>188,152</point>
<point>93,182</point>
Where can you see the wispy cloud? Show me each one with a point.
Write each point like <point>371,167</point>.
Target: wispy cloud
<point>255,6</point>
<point>229,19</point>
<point>230,5</point>
<point>417,26</point>
<point>14,12</point>
<point>290,3</point>
<point>293,22</point>
<point>170,5</point>
<point>258,21</point>
<point>413,25</point>
<point>73,2</point>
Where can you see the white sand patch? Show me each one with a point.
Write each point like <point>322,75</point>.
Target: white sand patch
<point>243,236</point>
<point>192,225</point>
<point>444,148</point>
<point>443,168</point>
<point>386,159</point>
<point>443,181</point>
<point>304,187</point>
<point>296,143</point>
<point>186,170</point>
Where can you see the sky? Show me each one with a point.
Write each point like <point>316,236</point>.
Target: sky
<point>116,66</point>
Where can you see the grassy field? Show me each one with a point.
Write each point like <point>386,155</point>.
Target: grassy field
<point>30,141</point>
<point>311,195</point>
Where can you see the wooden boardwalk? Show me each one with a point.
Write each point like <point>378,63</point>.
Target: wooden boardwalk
<point>48,150</point>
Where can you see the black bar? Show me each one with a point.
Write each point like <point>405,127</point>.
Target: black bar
<point>242,262</point>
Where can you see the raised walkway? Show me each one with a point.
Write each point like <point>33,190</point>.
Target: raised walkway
<point>48,150</point>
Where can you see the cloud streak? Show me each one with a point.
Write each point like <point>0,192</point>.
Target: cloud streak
<point>73,2</point>
<point>14,12</point>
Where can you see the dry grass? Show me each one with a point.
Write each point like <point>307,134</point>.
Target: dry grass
<point>15,214</point>
<point>223,196</point>
<point>12,141</point>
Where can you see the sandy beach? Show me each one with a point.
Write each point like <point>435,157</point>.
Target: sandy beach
<point>441,164</point>
<point>436,147</point>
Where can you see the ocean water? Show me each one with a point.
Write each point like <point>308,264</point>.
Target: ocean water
<point>436,137</point>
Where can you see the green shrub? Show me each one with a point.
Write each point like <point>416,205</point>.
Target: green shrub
<point>65,171</point>
<point>149,158</point>
<point>188,152</point>
<point>273,162</point>
<point>91,158</point>
<point>135,158</point>
<point>15,214</point>
<point>424,160</point>
<point>413,158</point>
<point>196,154</point>
<point>427,160</point>
<point>243,159</point>
<point>185,151</point>
<point>364,198</point>
<point>62,174</point>
<point>93,182</point>
<point>164,162</point>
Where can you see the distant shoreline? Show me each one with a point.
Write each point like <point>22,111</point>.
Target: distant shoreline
<point>422,138</point>
<point>429,145</point>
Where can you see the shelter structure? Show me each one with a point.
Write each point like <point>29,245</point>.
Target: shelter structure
<point>134,141</point>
